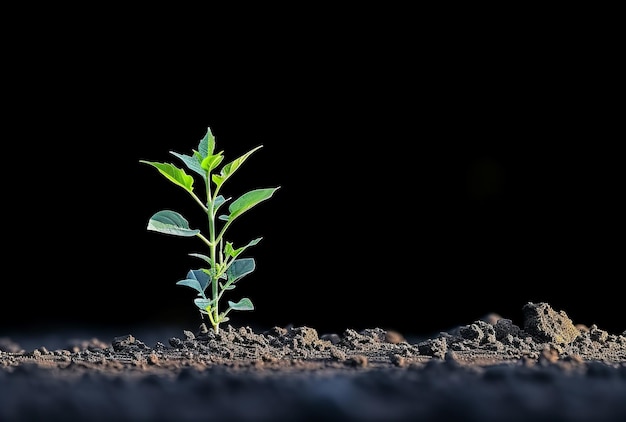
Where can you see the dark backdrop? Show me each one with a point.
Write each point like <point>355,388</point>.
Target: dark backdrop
<point>428,176</point>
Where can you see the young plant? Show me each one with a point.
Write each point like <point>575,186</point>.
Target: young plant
<point>225,266</point>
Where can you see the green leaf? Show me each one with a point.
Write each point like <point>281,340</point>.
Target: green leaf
<point>192,163</point>
<point>197,280</point>
<point>211,162</point>
<point>219,201</point>
<point>173,174</point>
<point>171,222</point>
<point>231,167</point>
<point>191,283</point>
<point>227,287</point>
<point>207,144</point>
<point>202,257</point>
<point>230,251</point>
<point>244,304</point>
<point>203,304</point>
<point>239,268</point>
<point>248,200</point>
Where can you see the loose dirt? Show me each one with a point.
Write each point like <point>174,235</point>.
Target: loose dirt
<point>548,369</point>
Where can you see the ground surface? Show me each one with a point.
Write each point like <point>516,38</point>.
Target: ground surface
<point>548,369</point>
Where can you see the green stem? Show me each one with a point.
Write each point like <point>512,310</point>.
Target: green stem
<point>221,234</point>
<point>210,210</point>
<point>204,239</point>
<point>195,197</point>
<point>211,319</point>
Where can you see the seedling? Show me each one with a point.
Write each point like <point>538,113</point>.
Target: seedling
<point>225,266</point>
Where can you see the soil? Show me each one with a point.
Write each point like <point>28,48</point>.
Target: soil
<point>547,369</point>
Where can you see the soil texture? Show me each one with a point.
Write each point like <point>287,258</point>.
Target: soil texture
<point>547,369</point>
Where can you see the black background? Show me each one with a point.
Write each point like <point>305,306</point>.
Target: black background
<point>430,173</point>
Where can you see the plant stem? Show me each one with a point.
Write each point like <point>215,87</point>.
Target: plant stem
<point>213,255</point>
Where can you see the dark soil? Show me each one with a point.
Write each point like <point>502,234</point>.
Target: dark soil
<point>548,369</point>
